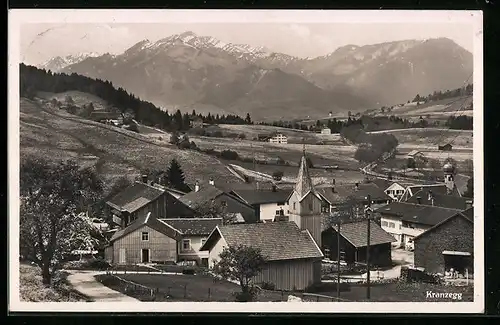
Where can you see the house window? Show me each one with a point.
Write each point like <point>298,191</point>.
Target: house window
<point>310,206</point>
<point>280,212</point>
<point>400,227</point>
<point>186,244</point>
<point>384,224</point>
<point>145,236</point>
<point>294,205</point>
<point>392,225</point>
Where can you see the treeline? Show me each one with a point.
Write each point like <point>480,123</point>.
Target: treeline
<point>33,80</point>
<point>438,95</point>
<point>460,122</point>
<point>333,124</point>
<point>371,147</point>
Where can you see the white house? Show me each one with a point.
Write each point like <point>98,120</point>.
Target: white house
<point>268,203</point>
<point>326,131</point>
<point>278,138</point>
<point>193,234</point>
<point>395,191</point>
<point>405,221</point>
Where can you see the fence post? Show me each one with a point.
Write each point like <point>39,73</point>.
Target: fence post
<point>185,290</point>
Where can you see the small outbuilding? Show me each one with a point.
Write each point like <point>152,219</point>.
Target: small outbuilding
<point>446,147</point>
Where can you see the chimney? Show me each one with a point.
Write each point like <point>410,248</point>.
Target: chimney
<point>144,178</point>
<point>211,181</point>
<point>196,186</point>
<point>419,200</point>
<point>468,204</point>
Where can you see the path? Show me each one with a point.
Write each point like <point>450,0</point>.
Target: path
<point>85,283</point>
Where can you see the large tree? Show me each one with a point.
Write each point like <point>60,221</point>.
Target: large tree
<point>53,218</point>
<point>242,264</point>
<point>212,209</point>
<point>175,176</point>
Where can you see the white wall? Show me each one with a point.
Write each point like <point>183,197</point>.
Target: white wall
<point>393,226</point>
<point>194,250</point>
<point>268,210</point>
<point>213,255</point>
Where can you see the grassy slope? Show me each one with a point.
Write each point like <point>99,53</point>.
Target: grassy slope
<point>80,98</point>
<point>119,151</point>
<point>32,289</point>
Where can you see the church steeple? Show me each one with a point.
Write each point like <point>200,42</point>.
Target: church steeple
<point>304,183</point>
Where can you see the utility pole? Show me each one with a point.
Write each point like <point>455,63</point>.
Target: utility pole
<point>368,220</point>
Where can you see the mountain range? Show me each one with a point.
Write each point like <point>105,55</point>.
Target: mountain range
<point>188,71</point>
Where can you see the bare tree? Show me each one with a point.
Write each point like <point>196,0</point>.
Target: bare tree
<point>213,209</point>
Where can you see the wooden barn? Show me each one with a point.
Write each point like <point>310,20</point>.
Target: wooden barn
<point>446,147</point>
<point>449,244</point>
<point>293,258</point>
<point>147,240</point>
<point>354,242</point>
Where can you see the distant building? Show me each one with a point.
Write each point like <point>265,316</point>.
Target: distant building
<point>278,138</point>
<point>326,131</point>
<point>447,245</point>
<point>293,260</point>
<point>446,147</point>
<point>197,122</point>
<point>415,155</point>
<point>268,204</point>
<point>103,116</point>
<point>395,191</point>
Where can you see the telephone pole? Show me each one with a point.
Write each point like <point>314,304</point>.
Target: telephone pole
<point>368,211</point>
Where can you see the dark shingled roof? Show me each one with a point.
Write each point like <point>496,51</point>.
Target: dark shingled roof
<point>342,192</point>
<point>195,200</point>
<point>467,214</point>
<point>357,233</point>
<point>440,200</point>
<point>417,213</point>
<point>149,221</point>
<point>134,197</point>
<point>194,226</point>
<point>276,240</point>
<point>263,196</point>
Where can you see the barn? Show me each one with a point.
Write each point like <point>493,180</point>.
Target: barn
<point>293,258</point>
<point>146,240</point>
<point>449,244</point>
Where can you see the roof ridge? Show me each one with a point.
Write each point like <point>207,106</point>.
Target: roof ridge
<point>190,218</point>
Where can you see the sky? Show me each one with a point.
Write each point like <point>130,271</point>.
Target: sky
<point>42,41</point>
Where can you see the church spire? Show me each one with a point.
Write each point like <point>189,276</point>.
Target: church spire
<point>304,182</point>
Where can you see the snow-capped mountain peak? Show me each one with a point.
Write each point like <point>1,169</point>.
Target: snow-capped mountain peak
<point>57,63</point>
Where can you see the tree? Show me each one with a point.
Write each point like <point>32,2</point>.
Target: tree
<point>174,138</point>
<point>469,192</point>
<point>175,176</point>
<point>69,100</point>
<point>241,263</point>
<point>248,119</point>
<point>53,218</point>
<point>453,162</point>
<point>278,175</point>
<point>212,209</point>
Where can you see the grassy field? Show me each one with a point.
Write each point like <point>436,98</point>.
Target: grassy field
<point>430,138</point>
<point>32,289</point>
<point>78,97</point>
<point>119,152</point>
<point>183,287</point>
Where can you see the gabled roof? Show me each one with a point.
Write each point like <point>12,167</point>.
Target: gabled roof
<point>149,221</point>
<point>415,153</point>
<point>135,197</point>
<point>276,240</point>
<point>357,233</point>
<point>262,196</point>
<point>198,199</point>
<point>193,226</point>
<point>344,192</point>
<point>467,215</point>
<point>417,213</point>
<point>439,188</point>
<point>440,200</point>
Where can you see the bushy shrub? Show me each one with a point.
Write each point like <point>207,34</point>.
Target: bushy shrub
<point>267,286</point>
<point>248,296</point>
<point>188,271</point>
<point>229,155</point>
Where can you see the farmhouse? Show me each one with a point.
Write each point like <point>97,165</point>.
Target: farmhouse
<point>428,197</point>
<point>268,204</point>
<point>136,201</point>
<point>416,156</point>
<point>206,198</point>
<point>278,138</point>
<point>445,147</point>
<point>447,245</point>
<point>103,116</point>
<point>293,258</point>
<point>147,240</point>
<point>395,191</point>
<point>326,131</point>
<point>405,221</point>
<point>354,242</point>
<point>193,234</point>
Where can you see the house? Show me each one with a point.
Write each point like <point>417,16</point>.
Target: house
<point>210,196</point>
<point>405,221</point>
<point>147,240</point>
<point>278,138</point>
<point>305,204</point>
<point>337,196</point>
<point>103,116</point>
<point>446,147</point>
<point>428,197</point>
<point>441,188</point>
<point>197,122</point>
<point>395,191</point>
<point>267,203</point>
<point>136,201</point>
<point>449,244</point>
<point>193,233</point>
<point>416,156</point>
<point>326,131</point>
<point>354,242</point>
<point>293,260</point>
